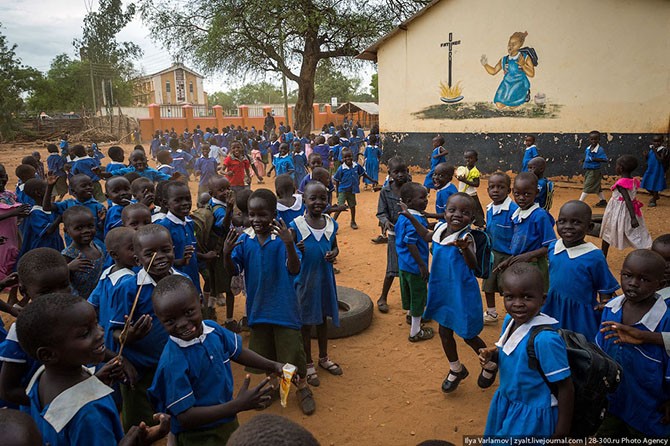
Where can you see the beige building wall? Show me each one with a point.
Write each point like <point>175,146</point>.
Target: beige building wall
<point>605,62</point>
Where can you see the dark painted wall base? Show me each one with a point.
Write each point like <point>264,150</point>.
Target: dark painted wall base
<point>504,151</point>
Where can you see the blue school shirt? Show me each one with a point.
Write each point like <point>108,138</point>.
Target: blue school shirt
<point>533,229</point>
<point>165,169</point>
<point>335,152</point>
<point>183,234</point>
<point>442,197</point>
<point>11,352</point>
<point>21,196</point>
<point>349,178</point>
<point>143,353</point>
<point>56,165</point>
<point>545,189</point>
<point>271,295</point>
<point>428,182</point>
<point>84,414</point>
<point>576,276</point>
<point>528,154</point>
<point>288,214</point>
<point>274,147</point>
<point>219,211</point>
<point>113,217</point>
<point>196,373</point>
<point>283,164</point>
<point>499,225</point>
<point>150,173</point>
<point>405,234</point>
<point>85,165</point>
<point>34,229</point>
<point>155,144</point>
<point>114,165</point>
<point>323,150</point>
<point>61,206</point>
<point>645,381</point>
<point>523,404</point>
<point>207,168</point>
<point>597,153</point>
<point>101,296</point>
<point>181,161</point>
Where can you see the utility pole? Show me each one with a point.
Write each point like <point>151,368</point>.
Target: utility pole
<point>90,64</point>
<point>283,78</point>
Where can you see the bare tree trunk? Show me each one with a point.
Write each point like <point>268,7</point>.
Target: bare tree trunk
<point>304,105</point>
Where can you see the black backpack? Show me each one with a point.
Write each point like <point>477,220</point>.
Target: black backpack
<point>594,375</point>
<point>483,253</point>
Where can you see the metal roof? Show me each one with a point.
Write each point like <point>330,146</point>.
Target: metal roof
<point>172,68</point>
<point>352,107</point>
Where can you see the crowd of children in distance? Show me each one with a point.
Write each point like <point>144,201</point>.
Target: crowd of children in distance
<point>127,279</point>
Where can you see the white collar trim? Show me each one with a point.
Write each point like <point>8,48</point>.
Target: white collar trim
<point>144,278</point>
<point>651,319</point>
<point>116,275</point>
<point>199,340</point>
<point>498,208</point>
<point>296,206</point>
<point>509,342</point>
<point>415,212</point>
<point>450,238</point>
<point>521,214</point>
<point>252,234</point>
<point>37,207</point>
<point>595,149</point>
<point>575,251</point>
<point>217,201</point>
<point>174,219</point>
<point>305,229</point>
<point>66,405</point>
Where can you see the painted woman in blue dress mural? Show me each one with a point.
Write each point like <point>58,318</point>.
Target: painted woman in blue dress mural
<point>518,65</point>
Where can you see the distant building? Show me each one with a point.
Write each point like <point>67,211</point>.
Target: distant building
<point>176,85</point>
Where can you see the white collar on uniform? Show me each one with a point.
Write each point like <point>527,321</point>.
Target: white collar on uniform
<point>521,214</point>
<point>199,340</point>
<point>445,186</point>
<point>510,342</point>
<point>345,166</point>
<point>79,158</point>
<point>160,166</point>
<point>664,293</point>
<point>219,202</point>
<point>144,278</point>
<point>450,238</point>
<point>595,149</point>
<point>37,207</point>
<point>116,162</point>
<point>498,208</point>
<point>296,206</point>
<point>651,319</point>
<point>415,212</point>
<point>530,147</point>
<point>116,275</point>
<point>21,186</point>
<point>252,234</point>
<point>174,219</point>
<point>575,251</point>
<point>66,405</point>
<point>305,231</point>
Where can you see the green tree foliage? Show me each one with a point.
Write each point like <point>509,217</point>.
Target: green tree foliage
<point>331,83</point>
<point>254,93</point>
<point>258,36</point>
<point>65,88</point>
<point>225,100</point>
<point>15,81</point>
<point>374,86</point>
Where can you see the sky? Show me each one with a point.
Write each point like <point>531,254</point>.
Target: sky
<point>42,29</point>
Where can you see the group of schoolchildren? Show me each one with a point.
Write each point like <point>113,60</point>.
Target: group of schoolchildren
<point>110,322</point>
<point>115,321</point>
<point>562,282</point>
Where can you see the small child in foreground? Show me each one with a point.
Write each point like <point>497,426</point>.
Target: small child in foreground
<point>194,380</point>
<point>523,405</point>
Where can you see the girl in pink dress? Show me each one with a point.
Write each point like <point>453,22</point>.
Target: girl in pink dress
<point>257,158</point>
<point>10,210</point>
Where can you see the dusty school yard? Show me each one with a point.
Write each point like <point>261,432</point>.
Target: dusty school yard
<point>390,392</point>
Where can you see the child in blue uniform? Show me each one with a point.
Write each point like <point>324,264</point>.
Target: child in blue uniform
<point>658,159</point>
<point>138,163</point>
<point>85,254</point>
<point>194,379</point>
<point>24,172</point>
<point>529,152</point>
<point>437,157</point>
<point>205,168</point>
<point>454,300</point>
<point>117,156</point>
<point>117,190</point>
<point>545,187</point>
<point>594,157</point>
<point>39,228</point>
<point>82,189</point>
<point>500,228</point>
<point>135,216</point>
<point>523,405</point>
<point>315,233</point>
<point>299,163</point>
<point>578,273</point>
<point>640,406</point>
<point>289,203</point>
<point>282,162</point>
<point>56,166</point>
<point>347,180</point>
<point>84,164</point>
<point>181,229</point>
<point>164,159</point>
<point>445,188</point>
<point>372,156</point>
<point>267,255</point>
<point>181,161</point>
<point>533,227</point>
<point>412,252</point>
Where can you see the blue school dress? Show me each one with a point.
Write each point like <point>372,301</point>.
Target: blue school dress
<point>288,214</point>
<point>82,414</point>
<point>283,164</point>
<point>85,165</point>
<point>114,165</point>
<point>645,381</point>
<point>61,206</point>
<point>207,168</point>
<point>101,296</point>
<point>181,161</point>
<point>315,284</point>
<point>533,229</point>
<point>528,154</point>
<point>183,235</point>
<point>372,155</point>
<point>300,168</point>
<point>442,197</point>
<point>113,218</point>
<point>428,182</point>
<point>34,229</point>
<point>523,404</point>
<point>196,373</point>
<point>654,177</point>
<point>21,196</point>
<point>514,89</point>
<point>576,276</point>
<point>454,300</point>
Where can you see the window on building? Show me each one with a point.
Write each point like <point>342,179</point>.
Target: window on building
<point>190,87</point>
<point>167,86</point>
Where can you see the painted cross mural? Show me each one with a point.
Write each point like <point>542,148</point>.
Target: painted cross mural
<point>450,93</point>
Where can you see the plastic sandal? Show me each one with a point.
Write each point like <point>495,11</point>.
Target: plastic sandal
<point>331,367</point>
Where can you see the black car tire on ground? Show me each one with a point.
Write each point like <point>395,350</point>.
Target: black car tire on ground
<point>355,313</point>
